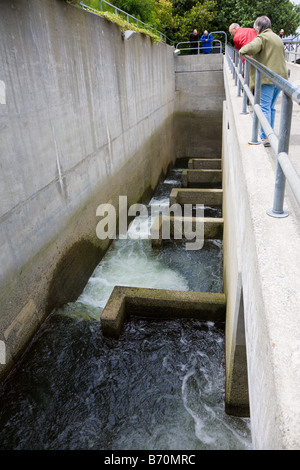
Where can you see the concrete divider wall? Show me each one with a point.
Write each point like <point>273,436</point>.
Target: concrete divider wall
<point>199,104</point>
<point>85,117</point>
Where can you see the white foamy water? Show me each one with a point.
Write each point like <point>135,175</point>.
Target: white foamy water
<point>133,262</point>
<point>130,263</point>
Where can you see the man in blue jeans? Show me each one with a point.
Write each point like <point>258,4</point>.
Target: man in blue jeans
<point>268,49</point>
<point>268,97</point>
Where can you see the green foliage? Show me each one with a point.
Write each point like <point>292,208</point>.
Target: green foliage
<point>180,7</point>
<point>141,9</point>
<point>201,16</point>
<point>124,25</point>
<point>282,13</point>
<point>217,15</point>
<point>92,4</point>
<point>155,13</point>
<point>163,15</point>
<point>177,18</point>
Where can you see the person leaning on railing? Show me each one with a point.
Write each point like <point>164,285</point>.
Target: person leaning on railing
<point>206,41</point>
<point>241,37</point>
<point>268,49</point>
<point>194,40</point>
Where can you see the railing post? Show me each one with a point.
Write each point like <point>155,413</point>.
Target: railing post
<point>235,67</point>
<point>232,63</point>
<point>283,146</point>
<point>257,93</point>
<point>240,73</point>
<point>246,80</point>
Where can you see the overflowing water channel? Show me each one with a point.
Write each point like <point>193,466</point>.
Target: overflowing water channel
<point>160,386</point>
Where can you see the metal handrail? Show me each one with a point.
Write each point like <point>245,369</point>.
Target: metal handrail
<point>291,46</point>
<point>220,32</point>
<point>199,46</point>
<point>128,16</point>
<point>285,169</point>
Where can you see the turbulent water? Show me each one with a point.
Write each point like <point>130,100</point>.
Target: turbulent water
<point>159,387</point>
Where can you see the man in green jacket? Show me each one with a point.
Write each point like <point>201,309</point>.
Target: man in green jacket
<point>268,49</point>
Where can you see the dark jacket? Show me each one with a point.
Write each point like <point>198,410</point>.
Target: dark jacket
<point>194,40</point>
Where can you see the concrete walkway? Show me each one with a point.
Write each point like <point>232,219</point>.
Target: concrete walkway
<point>268,253</point>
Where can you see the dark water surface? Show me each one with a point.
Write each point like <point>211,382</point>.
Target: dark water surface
<point>159,387</point>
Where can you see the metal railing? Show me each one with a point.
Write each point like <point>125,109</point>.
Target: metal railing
<point>292,47</point>
<point>285,169</point>
<point>217,45</point>
<point>185,47</point>
<point>106,6</point>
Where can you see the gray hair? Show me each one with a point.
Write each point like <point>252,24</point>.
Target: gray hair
<point>261,23</point>
<point>234,25</point>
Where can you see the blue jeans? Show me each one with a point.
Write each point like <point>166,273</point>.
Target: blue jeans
<point>268,97</point>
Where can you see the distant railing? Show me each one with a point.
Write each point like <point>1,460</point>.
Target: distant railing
<point>217,45</point>
<point>292,48</point>
<point>184,47</point>
<point>285,169</point>
<point>106,6</point>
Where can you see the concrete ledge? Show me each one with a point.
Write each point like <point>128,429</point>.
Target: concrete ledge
<point>208,197</point>
<point>205,163</point>
<point>198,63</point>
<point>213,227</point>
<point>159,304</point>
<point>201,177</point>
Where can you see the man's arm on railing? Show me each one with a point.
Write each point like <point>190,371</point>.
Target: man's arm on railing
<point>252,48</point>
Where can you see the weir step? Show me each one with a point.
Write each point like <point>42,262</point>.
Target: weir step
<point>201,177</point>
<point>159,304</point>
<point>164,227</point>
<point>207,197</point>
<point>205,163</point>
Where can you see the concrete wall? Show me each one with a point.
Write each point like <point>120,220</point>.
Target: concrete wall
<point>262,284</point>
<point>85,117</point>
<point>199,105</point>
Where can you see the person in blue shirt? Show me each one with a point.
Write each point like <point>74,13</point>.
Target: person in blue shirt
<point>206,40</point>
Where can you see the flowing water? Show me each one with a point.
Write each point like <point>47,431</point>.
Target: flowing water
<point>160,386</point>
